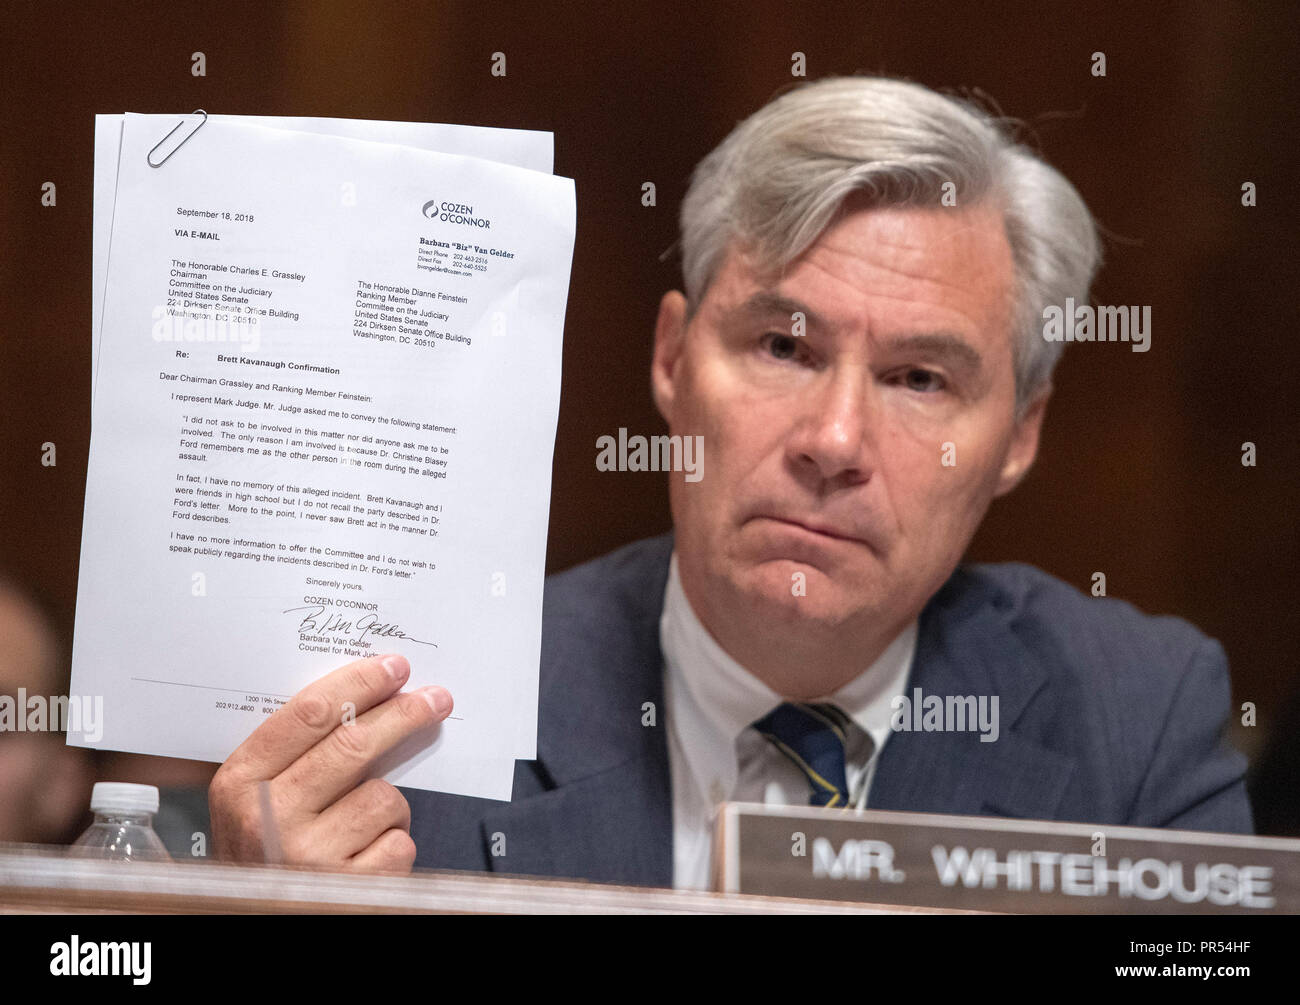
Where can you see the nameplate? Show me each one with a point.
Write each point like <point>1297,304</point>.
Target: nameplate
<point>995,864</point>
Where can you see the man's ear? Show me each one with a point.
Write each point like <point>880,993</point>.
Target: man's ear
<point>1024,444</point>
<point>670,334</point>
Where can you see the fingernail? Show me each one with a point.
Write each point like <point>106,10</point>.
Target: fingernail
<point>396,667</point>
<point>439,699</point>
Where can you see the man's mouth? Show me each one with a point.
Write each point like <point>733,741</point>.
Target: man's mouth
<point>818,528</point>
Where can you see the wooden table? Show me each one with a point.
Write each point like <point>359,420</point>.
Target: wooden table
<point>43,879</point>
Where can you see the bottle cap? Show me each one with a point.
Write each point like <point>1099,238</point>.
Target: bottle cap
<point>123,797</point>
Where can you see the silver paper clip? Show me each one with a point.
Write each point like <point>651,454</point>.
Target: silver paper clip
<point>149,156</point>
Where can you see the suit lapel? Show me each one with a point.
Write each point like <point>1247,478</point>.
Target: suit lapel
<point>967,646</point>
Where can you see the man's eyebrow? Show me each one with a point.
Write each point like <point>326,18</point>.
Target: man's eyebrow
<point>766,304</point>
<point>939,345</point>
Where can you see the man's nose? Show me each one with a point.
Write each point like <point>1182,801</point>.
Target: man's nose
<point>835,432</point>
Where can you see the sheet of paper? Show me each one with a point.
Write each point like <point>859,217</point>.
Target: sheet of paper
<point>357,462</point>
<point>527,148</point>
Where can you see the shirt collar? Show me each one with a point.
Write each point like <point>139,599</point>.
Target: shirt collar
<point>715,698</point>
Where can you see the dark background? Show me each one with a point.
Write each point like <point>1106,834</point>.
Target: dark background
<point>1139,474</point>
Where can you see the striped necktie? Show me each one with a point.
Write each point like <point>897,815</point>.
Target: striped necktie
<point>812,736</point>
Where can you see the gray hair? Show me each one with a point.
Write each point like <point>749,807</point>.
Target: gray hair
<point>775,183</point>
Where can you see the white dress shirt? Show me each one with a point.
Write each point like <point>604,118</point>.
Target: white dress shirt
<point>714,755</point>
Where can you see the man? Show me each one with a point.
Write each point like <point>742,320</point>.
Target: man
<point>860,348</point>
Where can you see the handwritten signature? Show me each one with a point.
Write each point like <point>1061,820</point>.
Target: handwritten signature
<point>317,623</point>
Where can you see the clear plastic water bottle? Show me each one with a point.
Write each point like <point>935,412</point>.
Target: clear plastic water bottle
<point>123,827</point>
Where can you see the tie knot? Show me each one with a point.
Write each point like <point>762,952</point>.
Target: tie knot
<point>813,737</point>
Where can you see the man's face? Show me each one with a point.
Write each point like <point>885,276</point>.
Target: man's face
<point>824,452</point>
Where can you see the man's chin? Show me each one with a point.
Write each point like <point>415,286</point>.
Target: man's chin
<point>797,594</point>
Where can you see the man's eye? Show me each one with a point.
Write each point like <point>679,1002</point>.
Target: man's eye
<point>923,380</point>
<point>781,346</point>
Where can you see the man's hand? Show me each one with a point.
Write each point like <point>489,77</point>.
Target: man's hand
<point>313,754</point>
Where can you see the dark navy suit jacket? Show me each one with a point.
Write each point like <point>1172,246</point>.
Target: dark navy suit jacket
<point>1107,716</point>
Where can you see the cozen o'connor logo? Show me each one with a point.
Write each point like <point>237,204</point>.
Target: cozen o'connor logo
<point>455,212</point>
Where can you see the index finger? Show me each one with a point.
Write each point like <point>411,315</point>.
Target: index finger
<point>311,714</point>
